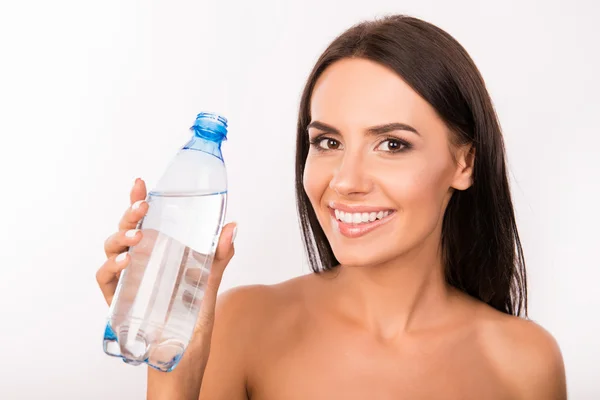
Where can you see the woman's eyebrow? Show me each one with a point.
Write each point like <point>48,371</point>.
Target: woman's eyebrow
<point>323,127</point>
<point>374,130</point>
<point>394,126</point>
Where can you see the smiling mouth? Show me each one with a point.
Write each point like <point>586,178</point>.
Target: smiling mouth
<point>356,224</point>
<point>360,218</point>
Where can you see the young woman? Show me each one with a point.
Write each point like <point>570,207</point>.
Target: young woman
<point>419,288</point>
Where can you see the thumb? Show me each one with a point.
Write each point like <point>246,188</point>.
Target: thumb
<point>223,255</point>
<point>225,249</point>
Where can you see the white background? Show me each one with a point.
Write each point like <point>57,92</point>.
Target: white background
<point>95,94</point>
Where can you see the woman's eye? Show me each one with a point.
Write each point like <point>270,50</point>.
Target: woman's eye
<point>391,145</point>
<point>329,144</point>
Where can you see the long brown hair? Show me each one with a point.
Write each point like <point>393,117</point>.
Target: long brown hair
<point>482,252</point>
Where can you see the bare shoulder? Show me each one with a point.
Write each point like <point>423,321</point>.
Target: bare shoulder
<point>250,305</point>
<point>247,320</point>
<point>526,356</point>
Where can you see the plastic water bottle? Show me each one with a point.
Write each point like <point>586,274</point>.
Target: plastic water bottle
<point>154,310</point>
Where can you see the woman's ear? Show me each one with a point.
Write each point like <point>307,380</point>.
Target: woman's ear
<point>465,161</point>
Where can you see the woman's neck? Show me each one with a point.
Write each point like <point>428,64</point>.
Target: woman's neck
<point>405,294</point>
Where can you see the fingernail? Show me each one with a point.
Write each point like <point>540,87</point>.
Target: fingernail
<point>131,233</point>
<point>233,234</point>
<point>137,204</point>
<point>121,257</point>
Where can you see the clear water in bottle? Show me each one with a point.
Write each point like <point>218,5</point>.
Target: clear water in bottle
<point>154,310</point>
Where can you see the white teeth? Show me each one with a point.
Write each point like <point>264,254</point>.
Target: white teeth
<point>358,218</point>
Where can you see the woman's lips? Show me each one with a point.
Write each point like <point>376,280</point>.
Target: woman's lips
<point>355,230</point>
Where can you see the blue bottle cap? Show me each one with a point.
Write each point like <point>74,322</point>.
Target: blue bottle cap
<point>210,126</point>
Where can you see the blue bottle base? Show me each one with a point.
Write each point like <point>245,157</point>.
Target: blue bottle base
<point>163,356</point>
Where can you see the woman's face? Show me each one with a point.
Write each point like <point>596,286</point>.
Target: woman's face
<point>380,171</point>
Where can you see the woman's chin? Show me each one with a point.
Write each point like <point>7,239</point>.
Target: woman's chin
<point>358,259</point>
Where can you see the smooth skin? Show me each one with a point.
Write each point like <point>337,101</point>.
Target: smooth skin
<point>384,324</point>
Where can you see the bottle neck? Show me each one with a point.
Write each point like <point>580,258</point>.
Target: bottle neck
<point>208,146</point>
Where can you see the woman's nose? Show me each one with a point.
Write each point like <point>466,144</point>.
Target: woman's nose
<point>351,176</point>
